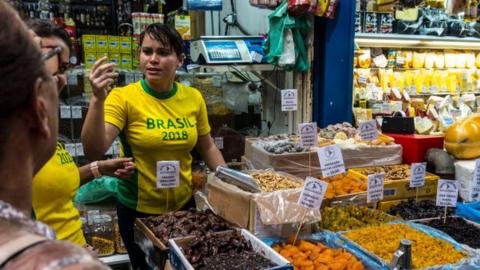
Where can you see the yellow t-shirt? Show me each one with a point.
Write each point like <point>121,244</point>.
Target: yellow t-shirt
<point>54,188</point>
<point>156,127</point>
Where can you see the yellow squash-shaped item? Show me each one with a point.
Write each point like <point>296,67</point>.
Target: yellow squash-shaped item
<point>462,139</point>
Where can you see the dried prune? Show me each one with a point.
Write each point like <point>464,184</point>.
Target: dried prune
<point>412,209</point>
<point>460,230</point>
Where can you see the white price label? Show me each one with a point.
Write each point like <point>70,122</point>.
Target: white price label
<point>406,96</point>
<point>308,134</point>
<point>375,187</point>
<point>312,193</point>
<point>289,100</point>
<point>79,149</point>
<point>168,174</point>
<point>476,174</point>
<point>447,193</point>
<point>76,112</point>
<point>396,92</point>
<point>417,175</point>
<point>71,149</point>
<point>362,80</point>
<point>368,130</point>
<point>65,112</point>
<point>219,142</point>
<point>331,160</point>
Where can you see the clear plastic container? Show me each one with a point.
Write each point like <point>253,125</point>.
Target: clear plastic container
<point>119,245</point>
<point>103,241</point>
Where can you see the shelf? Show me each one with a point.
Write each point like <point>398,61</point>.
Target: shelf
<point>115,259</point>
<point>232,68</point>
<point>415,41</point>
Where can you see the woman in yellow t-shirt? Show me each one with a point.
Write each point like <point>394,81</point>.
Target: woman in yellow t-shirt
<point>159,122</point>
<point>57,182</point>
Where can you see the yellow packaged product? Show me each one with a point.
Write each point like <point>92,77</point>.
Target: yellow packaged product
<point>469,59</point>
<point>418,60</point>
<point>429,59</point>
<point>439,60</point>
<point>461,60</point>
<point>427,80</point>
<point>477,60</point>
<point>364,59</point>
<point>427,251</point>
<point>384,78</point>
<point>409,83</point>
<point>418,82</point>
<point>451,82</point>
<point>400,80</point>
<point>450,59</point>
<point>408,58</point>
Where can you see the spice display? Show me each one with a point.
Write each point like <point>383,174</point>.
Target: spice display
<point>102,246</point>
<point>384,240</point>
<point>460,230</point>
<point>343,184</point>
<point>204,250</point>
<point>271,181</point>
<point>343,218</point>
<point>307,255</point>
<point>284,146</point>
<point>412,209</point>
<point>184,223</point>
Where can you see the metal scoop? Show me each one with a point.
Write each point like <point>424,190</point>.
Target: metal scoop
<point>239,179</point>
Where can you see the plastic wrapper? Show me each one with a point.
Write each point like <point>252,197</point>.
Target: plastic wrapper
<point>470,211</point>
<point>97,190</point>
<point>408,28</point>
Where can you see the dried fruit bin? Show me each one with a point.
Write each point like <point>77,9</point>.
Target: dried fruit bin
<point>431,249</point>
<point>398,188</point>
<point>179,246</point>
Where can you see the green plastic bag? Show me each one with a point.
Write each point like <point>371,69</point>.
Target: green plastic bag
<point>97,190</point>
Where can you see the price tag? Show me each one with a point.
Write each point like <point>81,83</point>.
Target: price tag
<point>79,149</point>
<point>406,96</point>
<point>76,112</point>
<point>289,100</point>
<point>65,112</point>
<point>168,174</point>
<point>362,80</point>
<point>368,130</point>
<point>380,61</point>
<point>129,77</point>
<point>308,134</point>
<point>331,160</point>
<point>447,193</point>
<point>219,142</point>
<point>72,79</point>
<point>312,193</point>
<point>417,175</point>
<point>396,92</point>
<point>70,147</point>
<point>476,174</point>
<point>375,187</point>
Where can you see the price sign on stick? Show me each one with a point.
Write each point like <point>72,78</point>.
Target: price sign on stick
<point>375,187</point>
<point>417,175</point>
<point>289,100</point>
<point>168,174</point>
<point>331,160</point>
<point>312,193</point>
<point>447,193</point>
<point>308,134</point>
<point>368,130</point>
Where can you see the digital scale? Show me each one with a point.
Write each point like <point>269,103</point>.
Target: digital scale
<point>228,50</point>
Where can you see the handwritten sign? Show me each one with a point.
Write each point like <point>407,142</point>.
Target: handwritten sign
<point>168,174</point>
<point>375,187</point>
<point>447,193</point>
<point>289,100</point>
<point>331,160</point>
<point>308,134</point>
<point>312,193</point>
<point>417,175</point>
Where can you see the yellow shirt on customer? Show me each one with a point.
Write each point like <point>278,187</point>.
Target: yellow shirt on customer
<point>156,127</point>
<point>54,188</point>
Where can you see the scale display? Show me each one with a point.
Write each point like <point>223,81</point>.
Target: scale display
<point>227,50</point>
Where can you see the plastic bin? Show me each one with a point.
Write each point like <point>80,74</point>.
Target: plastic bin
<point>415,146</point>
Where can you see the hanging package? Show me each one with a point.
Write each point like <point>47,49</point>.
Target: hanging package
<point>204,4</point>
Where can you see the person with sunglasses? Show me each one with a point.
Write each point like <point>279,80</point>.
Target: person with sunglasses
<point>29,121</point>
<point>56,184</point>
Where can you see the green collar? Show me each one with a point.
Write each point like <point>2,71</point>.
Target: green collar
<point>155,94</point>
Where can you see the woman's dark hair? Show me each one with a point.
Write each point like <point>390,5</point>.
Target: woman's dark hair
<point>166,34</point>
<point>45,29</point>
<point>20,67</point>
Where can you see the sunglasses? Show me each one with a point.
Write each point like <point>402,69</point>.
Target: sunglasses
<point>56,51</point>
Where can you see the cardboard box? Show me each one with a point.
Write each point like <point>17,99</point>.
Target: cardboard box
<point>126,61</point>
<point>101,54</point>
<point>298,163</point>
<point>88,43</point>
<point>179,262</point>
<point>126,44</point>
<point>114,58</point>
<point>89,58</point>
<point>114,44</point>
<point>240,207</point>
<point>101,43</point>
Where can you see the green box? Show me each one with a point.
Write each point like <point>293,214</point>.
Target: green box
<point>114,58</point>
<point>101,42</point>
<point>101,54</point>
<point>88,42</point>
<point>90,58</point>
<point>113,44</point>
<point>126,61</point>
<point>125,44</point>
